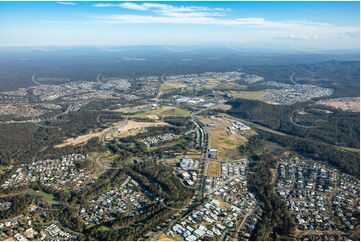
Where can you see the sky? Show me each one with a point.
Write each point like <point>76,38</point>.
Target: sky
<point>270,25</point>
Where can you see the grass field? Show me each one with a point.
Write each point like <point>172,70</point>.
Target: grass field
<point>230,86</point>
<point>248,94</point>
<point>169,161</point>
<point>226,142</point>
<point>103,228</point>
<point>216,84</point>
<point>49,198</point>
<point>171,85</point>
<point>165,111</point>
<point>214,169</point>
<point>210,84</point>
<point>213,84</point>
<point>2,168</point>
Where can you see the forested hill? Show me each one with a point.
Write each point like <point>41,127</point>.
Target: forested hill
<point>339,128</point>
<point>342,76</point>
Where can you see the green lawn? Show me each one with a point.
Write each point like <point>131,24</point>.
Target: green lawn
<point>103,228</point>
<point>49,198</point>
<point>174,112</point>
<point>2,169</point>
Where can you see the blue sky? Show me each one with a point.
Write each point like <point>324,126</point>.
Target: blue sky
<point>302,25</point>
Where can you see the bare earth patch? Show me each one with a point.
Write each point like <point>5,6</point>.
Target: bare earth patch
<point>351,104</point>
<point>214,169</point>
<point>120,129</point>
<point>223,107</point>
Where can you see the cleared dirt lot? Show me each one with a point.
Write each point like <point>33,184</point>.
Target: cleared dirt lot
<point>350,104</point>
<point>223,107</point>
<point>161,112</point>
<point>119,129</point>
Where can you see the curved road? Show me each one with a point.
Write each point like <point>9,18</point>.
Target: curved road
<point>300,125</point>
<point>292,80</point>
<point>263,128</point>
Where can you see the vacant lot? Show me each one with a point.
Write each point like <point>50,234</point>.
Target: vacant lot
<point>193,154</point>
<point>165,111</point>
<point>119,129</point>
<point>162,112</point>
<point>230,86</point>
<point>102,161</point>
<point>248,94</point>
<point>169,161</point>
<point>227,144</point>
<point>350,104</point>
<point>225,141</point>
<point>132,109</point>
<point>171,85</point>
<point>214,169</point>
<point>223,107</point>
<point>164,237</point>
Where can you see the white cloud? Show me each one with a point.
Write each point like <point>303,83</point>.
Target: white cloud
<point>303,37</point>
<point>245,28</point>
<point>126,5</point>
<point>132,6</point>
<point>66,3</point>
<point>160,13</point>
<point>176,18</point>
<point>352,34</point>
<point>260,28</point>
<point>198,19</point>
<point>166,9</point>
